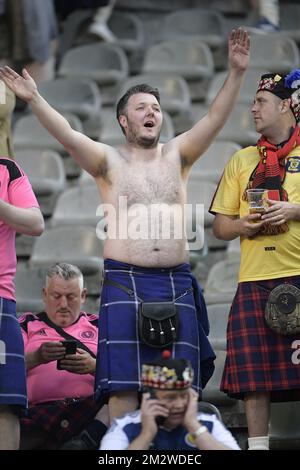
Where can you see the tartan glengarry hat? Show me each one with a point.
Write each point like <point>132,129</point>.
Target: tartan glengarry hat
<point>283,86</point>
<point>167,374</point>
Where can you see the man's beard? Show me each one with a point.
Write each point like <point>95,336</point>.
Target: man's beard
<point>142,141</point>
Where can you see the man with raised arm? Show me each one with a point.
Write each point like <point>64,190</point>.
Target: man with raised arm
<point>145,262</point>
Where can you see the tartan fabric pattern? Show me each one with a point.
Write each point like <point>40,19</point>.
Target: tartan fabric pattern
<point>121,353</point>
<point>258,359</point>
<point>12,362</point>
<point>270,172</point>
<point>61,420</point>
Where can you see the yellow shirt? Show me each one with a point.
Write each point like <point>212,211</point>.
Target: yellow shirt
<point>262,257</point>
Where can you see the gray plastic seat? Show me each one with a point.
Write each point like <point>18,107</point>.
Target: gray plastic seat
<point>239,127</point>
<point>79,96</point>
<point>209,408</point>
<point>222,280</point>
<point>218,317</point>
<point>248,90</point>
<point>201,192</point>
<point>233,250</point>
<point>29,133</point>
<point>44,169</point>
<point>290,20</point>
<point>112,134</point>
<point>104,63</point>
<point>188,58</point>
<point>77,206</point>
<point>75,245</point>
<point>127,28</point>
<point>284,428</point>
<point>174,90</point>
<point>210,165</point>
<point>212,392</point>
<point>206,25</point>
<point>274,52</point>
<point>29,283</point>
<point>46,173</point>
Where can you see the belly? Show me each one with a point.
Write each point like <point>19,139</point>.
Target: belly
<point>150,236</point>
<point>161,253</point>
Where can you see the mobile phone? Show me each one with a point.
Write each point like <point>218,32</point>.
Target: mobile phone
<point>159,419</point>
<point>71,346</point>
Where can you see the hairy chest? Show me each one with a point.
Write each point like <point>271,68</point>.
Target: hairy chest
<point>150,183</point>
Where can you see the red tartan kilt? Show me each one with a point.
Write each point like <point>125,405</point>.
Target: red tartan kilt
<point>258,359</point>
<point>61,420</point>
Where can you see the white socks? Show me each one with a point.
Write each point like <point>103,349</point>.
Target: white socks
<point>258,443</point>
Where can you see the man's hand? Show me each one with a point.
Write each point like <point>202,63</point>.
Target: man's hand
<point>150,409</point>
<point>238,49</point>
<point>23,86</point>
<point>190,421</point>
<point>280,212</point>
<point>50,351</point>
<point>249,225</point>
<point>80,363</point>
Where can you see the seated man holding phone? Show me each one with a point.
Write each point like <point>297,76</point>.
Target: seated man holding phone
<point>60,354</point>
<point>169,417</point>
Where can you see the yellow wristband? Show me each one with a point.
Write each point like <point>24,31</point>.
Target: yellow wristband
<point>200,431</point>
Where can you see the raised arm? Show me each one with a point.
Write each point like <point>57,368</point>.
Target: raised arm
<point>195,141</point>
<point>88,154</point>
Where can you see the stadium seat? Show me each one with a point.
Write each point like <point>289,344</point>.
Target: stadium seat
<point>188,58</point>
<point>206,25</point>
<point>290,20</point>
<point>239,127</point>
<point>201,192</point>
<point>284,428</point>
<point>276,53</point>
<point>29,133</point>
<point>218,317</point>
<point>104,63</point>
<point>222,280</point>
<point>212,392</point>
<point>29,283</point>
<point>79,96</point>
<point>46,173</point>
<point>75,245</point>
<point>248,90</point>
<point>211,164</point>
<point>209,408</point>
<point>77,206</point>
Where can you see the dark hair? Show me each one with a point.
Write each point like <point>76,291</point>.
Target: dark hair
<point>141,88</point>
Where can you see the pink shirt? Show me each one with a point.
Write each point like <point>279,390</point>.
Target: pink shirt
<point>45,382</point>
<point>15,189</point>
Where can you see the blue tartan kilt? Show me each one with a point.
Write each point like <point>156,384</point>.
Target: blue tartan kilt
<point>12,363</point>
<point>121,353</point>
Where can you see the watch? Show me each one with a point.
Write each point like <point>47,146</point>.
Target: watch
<point>199,431</point>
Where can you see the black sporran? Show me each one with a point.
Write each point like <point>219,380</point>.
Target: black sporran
<point>158,323</point>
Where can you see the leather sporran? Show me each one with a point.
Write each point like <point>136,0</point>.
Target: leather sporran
<point>282,311</point>
<point>158,323</point>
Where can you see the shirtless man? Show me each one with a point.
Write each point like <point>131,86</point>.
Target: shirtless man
<point>148,267</point>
